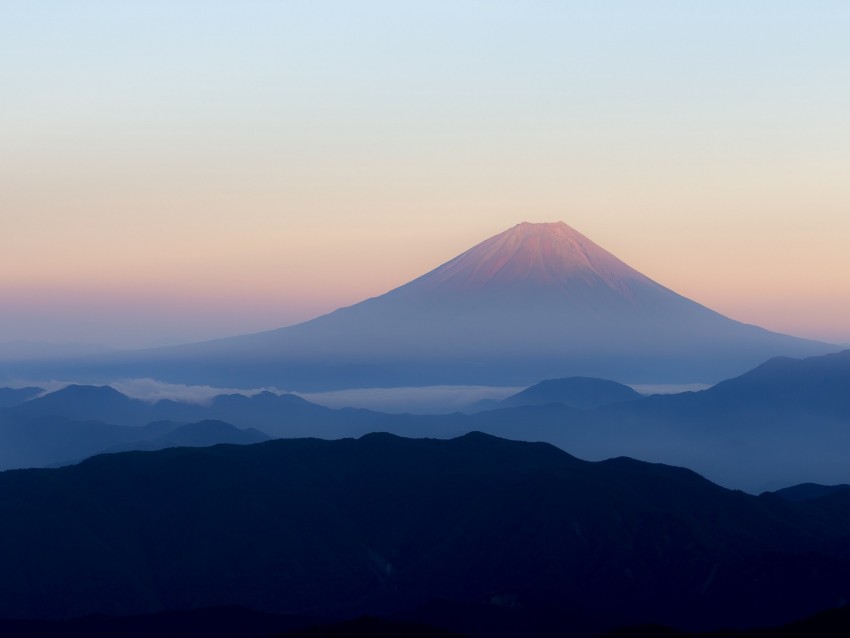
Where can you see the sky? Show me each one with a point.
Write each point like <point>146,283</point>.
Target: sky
<point>183,170</point>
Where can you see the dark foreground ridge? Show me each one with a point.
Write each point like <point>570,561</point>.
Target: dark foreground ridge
<point>477,535</point>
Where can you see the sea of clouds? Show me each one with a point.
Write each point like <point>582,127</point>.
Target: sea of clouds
<point>415,400</point>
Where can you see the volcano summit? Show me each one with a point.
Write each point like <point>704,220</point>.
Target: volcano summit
<point>536,301</point>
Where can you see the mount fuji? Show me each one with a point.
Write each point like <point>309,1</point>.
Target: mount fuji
<point>536,301</point>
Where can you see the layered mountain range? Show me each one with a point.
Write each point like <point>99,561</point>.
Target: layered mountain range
<point>536,301</point>
<point>786,421</point>
<point>472,536</point>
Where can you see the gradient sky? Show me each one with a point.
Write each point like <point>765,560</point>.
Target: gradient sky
<point>181,170</point>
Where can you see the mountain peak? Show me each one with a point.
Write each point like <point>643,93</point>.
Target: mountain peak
<point>542,227</point>
<point>534,255</point>
<point>77,392</point>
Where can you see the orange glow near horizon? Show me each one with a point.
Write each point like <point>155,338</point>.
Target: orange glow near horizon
<point>208,296</point>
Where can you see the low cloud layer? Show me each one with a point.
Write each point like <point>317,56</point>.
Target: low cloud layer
<point>415,400</point>
<point>423,400</point>
<point>151,390</point>
<point>668,388</point>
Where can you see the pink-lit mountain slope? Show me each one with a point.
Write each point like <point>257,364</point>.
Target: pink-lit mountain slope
<point>536,301</point>
<point>536,257</point>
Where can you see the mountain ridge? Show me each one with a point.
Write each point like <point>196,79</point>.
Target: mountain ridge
<point>384,524</point>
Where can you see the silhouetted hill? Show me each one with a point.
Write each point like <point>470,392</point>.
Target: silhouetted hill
<point>576,392</point>
<point>45,441</point>
<point>79,421</point>
<point>14,396</point>
<point>817,385</point>
<point>87,403</point>
<point>277,415</point>
<point>201,434</point>
<point>287,415</point>
<point>785,422</point>
<point>383,524</point>
<point>809,491</point>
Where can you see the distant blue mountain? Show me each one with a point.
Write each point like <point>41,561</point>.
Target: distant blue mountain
<point>15,396</point>
<point>78,421</point>
<point>576,392</point>
<point>538,301</point>
<point>201,434</point>
<point>277,415</point>
<point>809,491</point>
<point>786,421</point>
<point>84,402</point>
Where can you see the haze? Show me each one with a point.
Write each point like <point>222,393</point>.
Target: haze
<point>176,172</point>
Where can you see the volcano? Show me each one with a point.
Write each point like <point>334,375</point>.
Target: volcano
<point>534,302</point>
